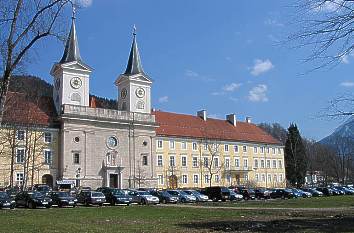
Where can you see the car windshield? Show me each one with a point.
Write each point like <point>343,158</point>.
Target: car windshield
<point>143,193</point>
<point>225,190</point>
<point>183,192</point>
<point>3,195</point>
<point>194,192</point>
<point>172,192</point>
<point>97,194</point>
<point>63,194</point>
<point>189,192</point>
<point>37,195</point>
<point>118,192</point>
<point>43,189</point>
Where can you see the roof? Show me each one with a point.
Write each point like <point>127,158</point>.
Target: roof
<point>23,109</point>
<point>180,125</point>
<point>134,63</point>
<point>71,52</point>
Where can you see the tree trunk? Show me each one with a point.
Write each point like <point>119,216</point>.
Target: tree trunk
<point>12,158</point>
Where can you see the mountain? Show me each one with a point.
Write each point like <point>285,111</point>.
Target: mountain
<point>29,83</point>
<point>343,132</point>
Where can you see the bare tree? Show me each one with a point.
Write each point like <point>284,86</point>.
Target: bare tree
<point>23,24</point>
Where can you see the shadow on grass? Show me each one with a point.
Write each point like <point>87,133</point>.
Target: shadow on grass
<point>340,224</point>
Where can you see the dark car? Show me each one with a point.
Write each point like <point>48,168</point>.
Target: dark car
<point>62,199</point>
<point>217,193</point>
<point>91,198</point>
<point>12,192</point>
<point>6,201</point>
<point>282,193</point>
<point>326,191</point>
<point>235,196</point>
<point>165,197</point>
<point>115,196</point>
<point>33,200</point>
<point>314,192</point>
<point>345,190</point>
<point>43,188</point>
<point>248,194</point>
<point>262,193</point>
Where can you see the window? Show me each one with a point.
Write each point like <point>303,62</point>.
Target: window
<point>196,179</point>
<point>76,97</point>
<point>145,160</point>
<point>279,150</point>
<point>172,161</point>
<point>195,161</point>
<point>245,163</point>
<point>268,163</point>
<point>255,150</point>
<point>20,155</point>
<point>183,145</point>
<point>281,178</point>
<point>262,163</point>
<point>159,144</point>
<point>159,160</point>
<point>237,162</point>
<point>184,179</point>
<point>256,163</point>
<point>267,150</point>
<point>205,146</point>
<point>262,149</point>
<point>47,137</point>
<point>140,105</point>
<point>76,158</point>
<point>273,151</point>
<point>216,162</point>
<point>263,178</point>
<point>20,135</point>
<point>184,161</point>
<point>226,148</point>
<point>228,178</point>
<point>48,158</point>
<point>257,177</point>
<point>160,179</point>
<point>194,146</point>
<point>206,179</point>
<point>236,148</point>
<point>227,163</point>
<point>244,148</point>
<point>217,178</point>
<point>206,162</point>
<point>245,177</point>
<point>269,178</point>
<point>280,164</point>
<point>19,178</point>
<point>172,144</point>
<point>274,164</point>
<point>275,178</point>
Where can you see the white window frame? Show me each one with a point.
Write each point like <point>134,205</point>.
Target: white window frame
<point>45,156</point>
<point>273,151</point>
<point>255,149</point>
<point>194,146</point>
<point>184,179</point>
<point>274,163</point>
<point>45,137</point>
<point>159,143</point>
<point>216,162</point>
<point>205,162</point>
<point>160,179</point>
<point>195,161</point>
<point>159,159</point>
<point>263,177</point>
<point>19,178</point>
<point>172,144</point>
<point>280,163</point>
<point>23,158</point>
<point>216,178</point>
<point>17,135</point>
<point>244,149</point>
<point>257,177</point>
<point>269,178</point>
<point>227,162</point>
<point>261,149</point>
<point>256,163</point>
<point>237,162</point>
<point>279,151</point>
<point>226,148</point>
<point>183,145</point>
<point>74,157</point>
<point>170,161</point>
<point>196,178</point>
<point>245,163</point>
<point>263,165</point>
<point>268,165</point>
<point>236,150</point>
<point>206,178</point>
<point>185,160</point>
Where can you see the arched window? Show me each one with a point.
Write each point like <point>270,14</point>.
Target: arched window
<point>140,105</point>
<point>124,106</point>
<point>76,97</point>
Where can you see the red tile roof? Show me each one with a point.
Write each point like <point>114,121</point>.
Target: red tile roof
<point>180,125</point>
<point>22,109</point>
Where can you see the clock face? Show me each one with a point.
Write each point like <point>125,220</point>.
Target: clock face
<point>112,142</point>
<point>123,93</point>
<point>140,92</point>
<point>75,83</point>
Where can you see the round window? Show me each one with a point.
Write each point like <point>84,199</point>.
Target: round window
<point>112,142</point>
<point>76,139</point>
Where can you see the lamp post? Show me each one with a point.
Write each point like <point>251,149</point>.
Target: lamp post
<point>78,177</point>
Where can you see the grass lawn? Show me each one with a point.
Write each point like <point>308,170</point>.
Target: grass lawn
<point>314,202</point>
<point>180,219</point>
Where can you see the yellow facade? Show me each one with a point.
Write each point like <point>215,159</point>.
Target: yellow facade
<point>181,163</point>
<point>31,152</point>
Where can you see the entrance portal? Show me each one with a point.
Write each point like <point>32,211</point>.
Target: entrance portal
<point>113,180</point>
<point>48,180</point>
<point>173,181</point>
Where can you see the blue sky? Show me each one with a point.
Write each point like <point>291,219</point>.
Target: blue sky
<point>222,56</point>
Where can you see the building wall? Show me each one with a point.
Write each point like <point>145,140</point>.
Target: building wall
<point>34,147</point>
<point>227,175</point>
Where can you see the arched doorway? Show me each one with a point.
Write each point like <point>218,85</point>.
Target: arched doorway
<point>173,181</point>
<point>48,180</point>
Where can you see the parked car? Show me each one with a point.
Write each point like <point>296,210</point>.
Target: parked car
<point>182,196</point>
<point>143,197</point>
<point>165,197</point>
<point>345,190</point>
<point>296,192</point>
<point>282,193</point>
<point>262,193</point>
<point>6,201</point>
<point>33,200</point>
<point>217,193</point>
<point>12,192</point>
<point>248,194</point>
<point>235,196</point>
<point>200,197</point>
<point>91,198</point>
<point>326,191</point>
<point>314,192</point>
<point>62,199</point>
<point>42,188</point>
<point>116,196</point>
<point>303,193</point>
<point>338,191</point>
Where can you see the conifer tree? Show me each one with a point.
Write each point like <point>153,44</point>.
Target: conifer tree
<point>295,157</point>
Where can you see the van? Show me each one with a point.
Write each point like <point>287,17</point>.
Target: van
<point>217,193</point>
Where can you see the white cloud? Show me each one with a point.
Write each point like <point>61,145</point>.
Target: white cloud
<point>194,75</point>
<point>214,116</point>
<point>84,3</point>
<point>273,22</point>
<point>163,99</point>
<point>216,93</point>
<point>261,66</point>
<point>344,59</point>
<point>233,99</point>
<point>328,6</point>
<point>347,84</point>
<point>231,87</point>
<point>258,93</point>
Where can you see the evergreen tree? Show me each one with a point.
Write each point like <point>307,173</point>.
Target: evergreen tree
<point>295,157</point>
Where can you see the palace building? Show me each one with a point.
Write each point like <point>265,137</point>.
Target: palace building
<point>67,139</point>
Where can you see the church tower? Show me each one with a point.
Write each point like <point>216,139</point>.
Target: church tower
<point>71,74</point>
<point>134,86</point>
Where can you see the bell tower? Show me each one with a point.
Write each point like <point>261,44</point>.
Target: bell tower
<point>71,74</point>
<point>134,86</point>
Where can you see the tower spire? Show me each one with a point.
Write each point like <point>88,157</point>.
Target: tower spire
<point>72,52</point>
<point>134,63</point>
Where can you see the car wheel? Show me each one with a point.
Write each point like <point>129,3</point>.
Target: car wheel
<point>164,201</point>
<point>143,202</point>
<point>86,203</point>
<point>30,205</point>
<point>101,204</point>
<point>113,203</point>
<point>183,200</point>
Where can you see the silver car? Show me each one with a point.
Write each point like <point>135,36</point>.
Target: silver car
<point>200,197</point>
<point>143,197</point>
<point>182,196</point>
